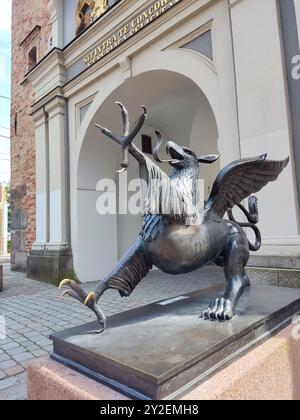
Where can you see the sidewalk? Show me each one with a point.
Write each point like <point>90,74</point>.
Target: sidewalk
<point>34,310</point>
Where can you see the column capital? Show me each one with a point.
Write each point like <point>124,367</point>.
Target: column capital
<point>39,117</point>
<point>56,106</point>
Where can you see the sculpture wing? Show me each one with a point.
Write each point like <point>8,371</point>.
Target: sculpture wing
<point>162,197</point>
<point>239,180</point>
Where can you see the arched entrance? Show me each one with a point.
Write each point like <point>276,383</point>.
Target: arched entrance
<point>182,112</point>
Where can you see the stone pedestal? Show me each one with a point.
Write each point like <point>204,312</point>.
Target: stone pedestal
<point>50,266</point>
<point>165,350</point>
<point>269,372</point>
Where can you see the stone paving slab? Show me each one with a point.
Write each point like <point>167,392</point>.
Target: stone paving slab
<point>33,311</point>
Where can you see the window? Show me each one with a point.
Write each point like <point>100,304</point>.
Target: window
<point>147,145</point>
<point>32,58</point>
<point>90,10</point>
<point>31,48</point>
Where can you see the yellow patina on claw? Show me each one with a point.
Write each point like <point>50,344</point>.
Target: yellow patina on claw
<point>91,296</point>
<point>66,282</point>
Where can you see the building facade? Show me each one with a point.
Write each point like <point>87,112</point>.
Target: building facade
<point>221,76</point>
<point>31,33</point>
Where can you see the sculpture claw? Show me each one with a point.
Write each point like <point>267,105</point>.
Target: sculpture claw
<point>106,131</point>
<point>121,171</point>
<point>90,297</point>
<point>121,106</point>
<point>76,292</point>
<point>220,310</point>
<point>67,282</point>
<point>64,294</point>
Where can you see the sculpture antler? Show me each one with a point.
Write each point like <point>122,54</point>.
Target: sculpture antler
<point>128,136</point>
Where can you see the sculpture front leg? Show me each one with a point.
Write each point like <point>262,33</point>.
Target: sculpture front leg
<point>236,256</point>
<point>128,273</point>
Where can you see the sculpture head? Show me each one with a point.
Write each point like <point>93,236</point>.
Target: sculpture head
<point>181,157</point>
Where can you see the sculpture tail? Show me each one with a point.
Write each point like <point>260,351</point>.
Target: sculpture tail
<point>253,219</point>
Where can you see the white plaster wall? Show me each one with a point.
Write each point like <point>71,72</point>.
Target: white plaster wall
<point>204,141</point>
<point>97,239</point>
<point>179,109</point>
<point>154,52</point>
<point>57,171</point>
<point>41,183</point>
<point>263,109</point>
<point>97,235</point>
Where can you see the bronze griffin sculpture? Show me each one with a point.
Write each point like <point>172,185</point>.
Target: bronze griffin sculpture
<point>179,242</point>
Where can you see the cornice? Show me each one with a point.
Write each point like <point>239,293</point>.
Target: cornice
<point>55,56</point>
<point>142,39</point>
<point>49,74</point>
<point>42,103</point>
<point>58,61</point>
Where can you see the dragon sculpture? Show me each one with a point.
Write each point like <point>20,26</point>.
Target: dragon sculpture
<point>177,236</point>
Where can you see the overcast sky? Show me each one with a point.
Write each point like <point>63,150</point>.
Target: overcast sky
<point>5,69</point>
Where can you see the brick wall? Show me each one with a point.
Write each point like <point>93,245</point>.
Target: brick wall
<point>31,33</point>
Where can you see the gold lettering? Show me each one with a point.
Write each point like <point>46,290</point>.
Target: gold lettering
<point>107,45</point>
<point>157,6</point>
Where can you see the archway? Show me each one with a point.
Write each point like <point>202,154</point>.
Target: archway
<point>178,108</point>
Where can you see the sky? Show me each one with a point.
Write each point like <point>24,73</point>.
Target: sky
<point>5,72</point>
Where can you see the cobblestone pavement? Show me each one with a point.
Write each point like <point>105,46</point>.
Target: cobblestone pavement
<point>33,311</point>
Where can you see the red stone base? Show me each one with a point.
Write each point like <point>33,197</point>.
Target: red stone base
<point>269,372</point>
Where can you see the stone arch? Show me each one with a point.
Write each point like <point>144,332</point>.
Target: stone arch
<point>89,251</point>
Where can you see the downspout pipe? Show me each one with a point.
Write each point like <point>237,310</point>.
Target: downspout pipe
<point>235,76</point>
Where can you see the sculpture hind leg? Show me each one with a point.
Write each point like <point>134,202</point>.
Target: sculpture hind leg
<point>128,273</point>
<point>236,256</point>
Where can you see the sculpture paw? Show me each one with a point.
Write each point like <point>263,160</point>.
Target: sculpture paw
<point>220,309</point>
<point>76,292</point>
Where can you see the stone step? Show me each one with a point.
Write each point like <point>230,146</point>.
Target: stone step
<point>272,261</point>
<point>282,277</point>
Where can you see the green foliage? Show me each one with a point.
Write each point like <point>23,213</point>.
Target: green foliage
<point>8,199</point>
